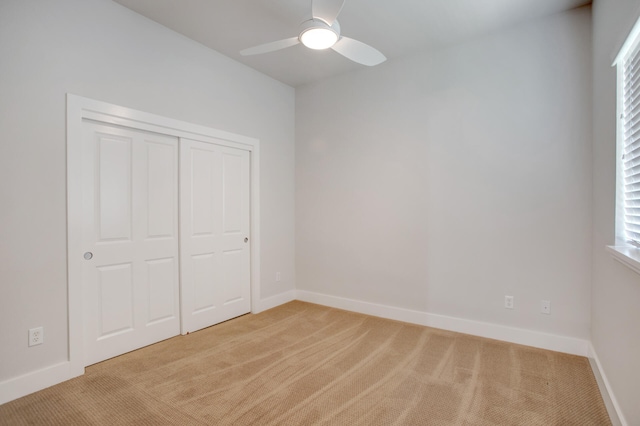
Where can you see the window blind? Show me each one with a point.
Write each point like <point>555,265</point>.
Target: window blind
<point>631,146</point>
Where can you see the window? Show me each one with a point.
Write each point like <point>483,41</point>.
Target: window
<point>628,148</point>
<point>627,247</point>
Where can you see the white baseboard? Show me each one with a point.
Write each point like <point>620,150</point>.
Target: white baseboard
<point>493,331</point>
<point>37,380</point>
<point>273,301</point>
<point>613,408</point>
<point>20,386</point>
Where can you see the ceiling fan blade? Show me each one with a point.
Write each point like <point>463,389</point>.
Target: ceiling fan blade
<point>270,47</point>
<point>327,10</point>
<point>358,52</point>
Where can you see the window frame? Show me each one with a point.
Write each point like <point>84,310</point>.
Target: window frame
<point>624,250</point>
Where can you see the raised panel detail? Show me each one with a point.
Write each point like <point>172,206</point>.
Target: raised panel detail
<point>202,187</point>
<point>161,173</point>
<point>205,276</point>
<point>115,299</point>
<point>232,207</point>
<point>232,275</point>
<point>114,188</point>
<point>162,283</point>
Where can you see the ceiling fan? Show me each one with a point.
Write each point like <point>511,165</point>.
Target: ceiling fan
<point>322,31</point>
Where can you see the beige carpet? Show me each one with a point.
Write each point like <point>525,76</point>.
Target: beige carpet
<point>302,364</point>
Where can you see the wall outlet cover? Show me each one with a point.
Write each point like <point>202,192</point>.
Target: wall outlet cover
<point>545,307</point>
<point>36,336</point>
<point>508,302</point>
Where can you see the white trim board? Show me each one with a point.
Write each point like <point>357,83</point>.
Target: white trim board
<point>34,381</point>
<point>274,301</point>
<point>520,336</point>
<point>610,401</point>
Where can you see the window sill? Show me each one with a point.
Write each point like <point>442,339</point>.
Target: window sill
<point>628,255</point>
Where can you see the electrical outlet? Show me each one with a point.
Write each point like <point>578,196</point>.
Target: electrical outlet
<point>545,307</point>
<point>278,276</point>
<point>508,302</point>
<point>36,336</point>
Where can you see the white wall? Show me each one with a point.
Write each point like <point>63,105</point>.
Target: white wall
<point>444,181</point>
<point>615,316</point>
<point>100,50</point>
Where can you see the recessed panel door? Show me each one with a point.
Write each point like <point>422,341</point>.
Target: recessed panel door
<point>215,244</point>
<point>130,237</point>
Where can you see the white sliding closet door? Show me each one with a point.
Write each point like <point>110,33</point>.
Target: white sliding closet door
<point>130,274</point>
<point>214,227</point>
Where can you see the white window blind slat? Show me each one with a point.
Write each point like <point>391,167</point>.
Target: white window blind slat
<point>633,237</point>
<point>632,108</point>
<point>631,114</point>
<point>631,170</point>
<point>630,158</point>
<point>630,77</point>
<point>633,229</point>
<point>631,146</point>
<point>633,187</point>
<point>631,214</point>
<point>629,162</point>
<point>631,122</point>
<point>634,140</point>
<point>630,87</point>
<point>631,66</point>
<point>632,151</point>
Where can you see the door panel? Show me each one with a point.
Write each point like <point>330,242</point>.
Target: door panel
<point>161,174</point>
<point>232,261</point>
<point>204,272</point>
<point>203,190</point>
<point>215,194</point>
<point>233,199</point>
<point>115,299</point>
<point>114,187</point>
<point>161,290</point>
<point>130,214</point>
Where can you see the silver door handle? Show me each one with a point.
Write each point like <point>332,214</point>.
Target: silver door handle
<point>246,239</point>
<point>88,255</point>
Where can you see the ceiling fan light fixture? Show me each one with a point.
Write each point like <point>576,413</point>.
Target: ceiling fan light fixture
<point>318,38</point>
<point>318,35</point>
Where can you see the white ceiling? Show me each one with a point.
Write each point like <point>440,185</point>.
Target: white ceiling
<point>396,28</point>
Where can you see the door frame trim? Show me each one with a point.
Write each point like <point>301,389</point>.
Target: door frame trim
<point>79,109</point>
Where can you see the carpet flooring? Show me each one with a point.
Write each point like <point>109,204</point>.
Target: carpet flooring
<point>304,364</point>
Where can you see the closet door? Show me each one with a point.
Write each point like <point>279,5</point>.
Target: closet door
<point>214,227</point>
<point>130,238</point>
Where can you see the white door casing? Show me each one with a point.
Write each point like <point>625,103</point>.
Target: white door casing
<point>80,109</point>
<point>215,230</point>
<point>131,264</point>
